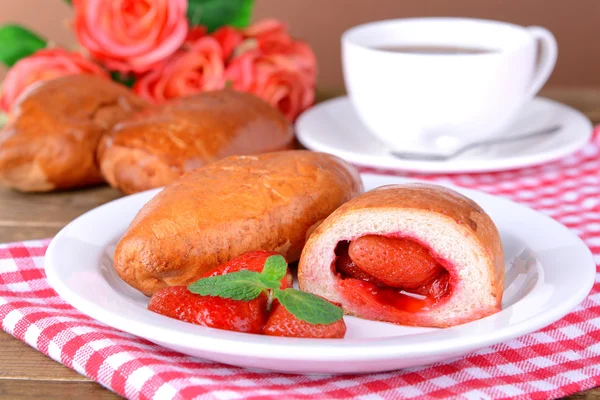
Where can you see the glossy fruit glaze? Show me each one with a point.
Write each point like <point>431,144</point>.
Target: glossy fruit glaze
<point>398,273</point>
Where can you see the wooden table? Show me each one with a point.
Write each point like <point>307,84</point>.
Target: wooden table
<point>28,374</point>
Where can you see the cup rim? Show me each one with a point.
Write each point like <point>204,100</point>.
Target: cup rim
<point>348,36</point>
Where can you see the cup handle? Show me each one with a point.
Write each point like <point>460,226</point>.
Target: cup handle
<point>549,52</point>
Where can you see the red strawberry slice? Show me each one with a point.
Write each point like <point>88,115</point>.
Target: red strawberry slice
<point>399,263</point>
<point>345,266</point>
<point>252,261</point>
<point>283,323</point>
<point>215,312</point>
<point>437,288</point>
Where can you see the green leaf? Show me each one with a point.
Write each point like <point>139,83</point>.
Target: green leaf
<point>308,307</point>
<point>240,285</point>
<point>274,271</point>
<point>17,42</point>
<point>3,119</point>
<point>216,13</point>
<point>69,2</point>
<point>127,80</point>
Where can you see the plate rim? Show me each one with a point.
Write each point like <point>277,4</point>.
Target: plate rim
<point>238,344</point>
<point>447,167</point>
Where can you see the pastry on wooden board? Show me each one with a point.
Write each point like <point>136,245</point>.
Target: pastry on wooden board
<point>239,204</point>
<point>437,247</point>
<point>53,131</point>
<point>154,147</point>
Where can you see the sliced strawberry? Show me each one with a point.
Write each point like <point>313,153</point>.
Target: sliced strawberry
<point>345,266</point>
<point>398,263</point>
<point>366,295</point>
<point>437,288</point>
<point>215,312</point>
<point>252,261</point>
<point>283,323</point>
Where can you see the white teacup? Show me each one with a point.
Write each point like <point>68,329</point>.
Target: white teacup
<point>446,82</point>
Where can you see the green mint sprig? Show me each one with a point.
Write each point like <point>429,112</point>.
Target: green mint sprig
<point>248,285</point>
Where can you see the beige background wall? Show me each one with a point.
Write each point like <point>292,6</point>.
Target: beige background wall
<point>575,23</point>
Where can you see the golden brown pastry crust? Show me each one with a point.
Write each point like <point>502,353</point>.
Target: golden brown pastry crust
<point>155,147</point>
<point>53,131</point>
<point>239,204</point>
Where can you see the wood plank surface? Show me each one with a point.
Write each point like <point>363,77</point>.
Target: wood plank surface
<point>50,209</point>
<point>28,374</point>
<point>45,390</point>
<point>19,362</point>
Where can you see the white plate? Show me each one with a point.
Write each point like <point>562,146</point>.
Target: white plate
<point>554,273</point>
<point>334,127</point>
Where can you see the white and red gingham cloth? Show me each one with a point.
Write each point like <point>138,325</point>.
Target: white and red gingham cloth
<point>561,359</point>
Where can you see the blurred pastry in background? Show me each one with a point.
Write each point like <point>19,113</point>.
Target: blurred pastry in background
<point>156,146</point>
<point>53,131</point>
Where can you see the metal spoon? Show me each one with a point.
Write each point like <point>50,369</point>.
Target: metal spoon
<point>445,157</point>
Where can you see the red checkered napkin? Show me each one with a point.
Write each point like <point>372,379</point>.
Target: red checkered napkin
<point>561,359</point>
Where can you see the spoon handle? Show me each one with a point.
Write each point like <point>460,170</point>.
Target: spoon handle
<point>444,157</point>
<point>527,135</point>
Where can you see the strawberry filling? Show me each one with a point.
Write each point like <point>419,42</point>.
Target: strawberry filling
<point>398,273</point>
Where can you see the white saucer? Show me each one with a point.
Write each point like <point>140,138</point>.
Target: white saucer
<point>334,127</point>
<point>549,271</point>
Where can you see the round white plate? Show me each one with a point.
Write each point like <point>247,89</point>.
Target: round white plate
<point>334,127</point>
<point>549,272</point>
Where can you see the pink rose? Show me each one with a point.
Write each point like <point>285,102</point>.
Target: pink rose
<point>272,39</point>
<point>131,35</point>
<point>271,35</point>
<point>43,65</point>
<point>196,68</point>
<point>302,55</point>
<point>194,33</point>
<point>283,88</point>
<point>273,81</point>
<point>240,72</point>
<point>229,38</point>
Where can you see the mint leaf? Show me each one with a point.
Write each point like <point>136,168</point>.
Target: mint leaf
<point>274,271</point>
<point>216,13</point>
<point>17,42</point>
<point>248,285</point>
<point>308,307</point>
<point>242,285</point>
